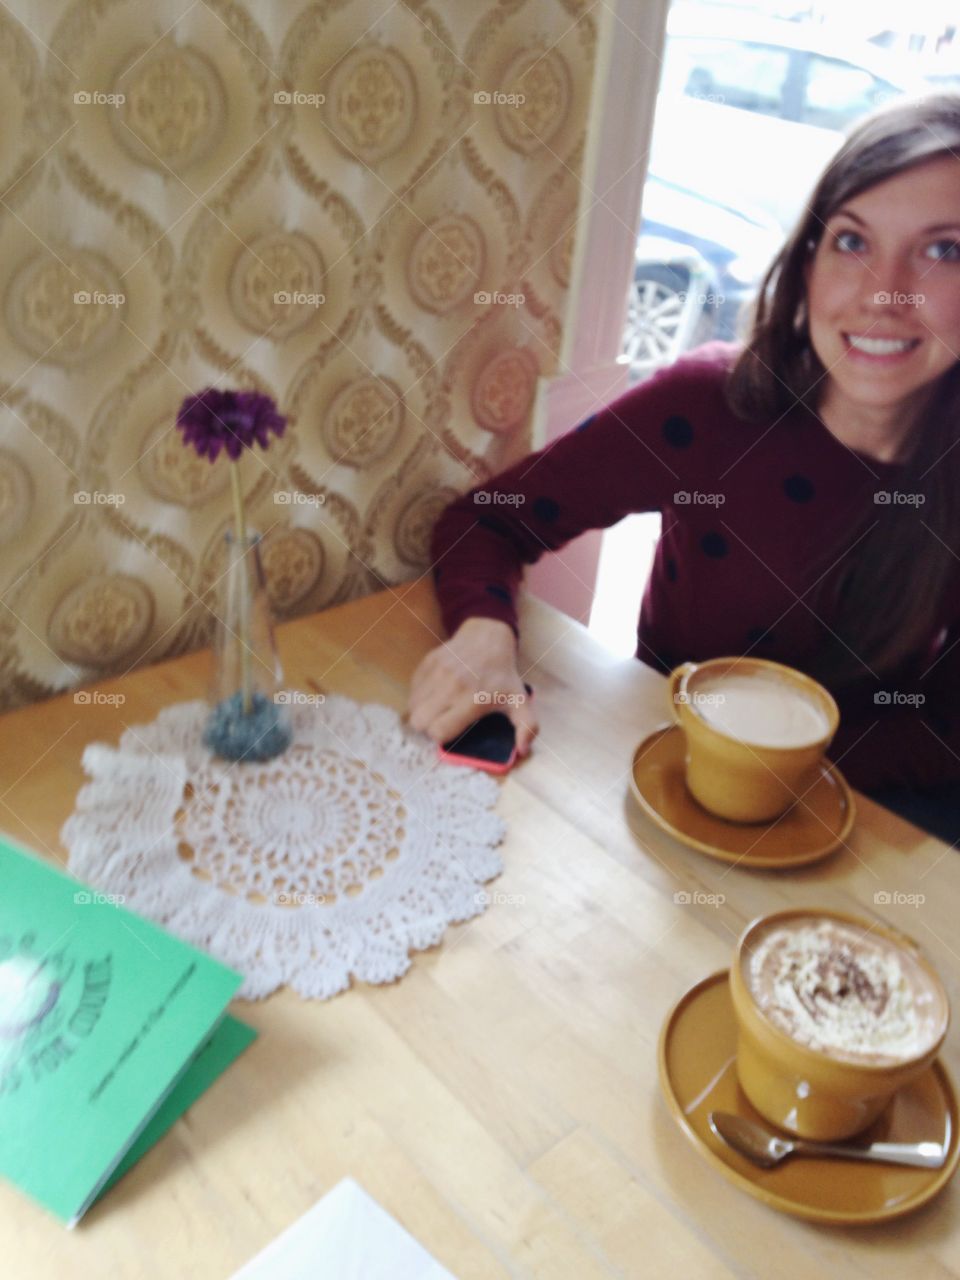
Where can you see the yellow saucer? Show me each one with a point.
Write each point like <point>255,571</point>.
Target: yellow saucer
<point>697,1058</point>
<point>809,830</point>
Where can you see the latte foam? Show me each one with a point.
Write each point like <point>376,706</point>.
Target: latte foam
<point>761,708</point>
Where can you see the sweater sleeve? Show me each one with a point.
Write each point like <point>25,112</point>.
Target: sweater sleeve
<point>910,736</point>
<point>633,455</point>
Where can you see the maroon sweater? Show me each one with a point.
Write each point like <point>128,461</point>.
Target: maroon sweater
<point>751,513</point>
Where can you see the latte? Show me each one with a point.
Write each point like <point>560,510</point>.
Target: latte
<point>759,707</point>
<point>843,991</point>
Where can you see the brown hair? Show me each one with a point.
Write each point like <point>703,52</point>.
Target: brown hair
<point>889,594</point>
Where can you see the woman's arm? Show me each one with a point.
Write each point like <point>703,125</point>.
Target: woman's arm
<point>633,455</point>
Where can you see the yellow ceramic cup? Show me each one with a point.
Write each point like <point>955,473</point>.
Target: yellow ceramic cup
<point>811,1092</point>
<point>736,779</point>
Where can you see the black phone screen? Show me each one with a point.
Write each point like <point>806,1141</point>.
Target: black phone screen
<point>490,738</point>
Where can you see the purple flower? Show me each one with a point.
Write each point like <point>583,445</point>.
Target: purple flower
<point>231,420</point>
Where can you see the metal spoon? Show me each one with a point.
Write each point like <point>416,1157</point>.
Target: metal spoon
<point>768,1149</point>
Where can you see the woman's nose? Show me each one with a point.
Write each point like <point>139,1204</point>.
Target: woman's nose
<point>891,286</point>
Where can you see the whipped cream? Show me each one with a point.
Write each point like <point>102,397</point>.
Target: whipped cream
<point>837,989</point>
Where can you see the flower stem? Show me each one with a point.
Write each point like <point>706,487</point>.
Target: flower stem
<point>244,622</point>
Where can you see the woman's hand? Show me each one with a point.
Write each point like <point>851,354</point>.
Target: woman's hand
<point>474,673</point>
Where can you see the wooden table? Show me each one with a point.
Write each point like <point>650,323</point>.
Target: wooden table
<point>501,1100</point>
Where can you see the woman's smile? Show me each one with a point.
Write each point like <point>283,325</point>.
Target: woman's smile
<point>876,350</point>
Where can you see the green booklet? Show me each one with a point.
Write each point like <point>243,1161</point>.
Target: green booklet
<point>109,1028</point>
<point>228,1041</point>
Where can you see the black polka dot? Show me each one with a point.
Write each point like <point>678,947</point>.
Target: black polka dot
<point>546,509</point>
<point>713,545</point>
<point>586,422</point>
<point>798,488</point>
<point>759,636</point>
<point>671,569</point>
<point>499,593</point>
<point>678,432</point>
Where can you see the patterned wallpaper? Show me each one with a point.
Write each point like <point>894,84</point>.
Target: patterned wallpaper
<point>364,209</point>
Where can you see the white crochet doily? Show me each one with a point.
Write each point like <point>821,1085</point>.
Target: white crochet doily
<point>338,858</point>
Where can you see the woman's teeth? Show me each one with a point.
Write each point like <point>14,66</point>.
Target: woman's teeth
<point>881,346</point>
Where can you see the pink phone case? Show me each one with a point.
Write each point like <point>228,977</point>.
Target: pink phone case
<point>477,762</point>
<point>473,762</point>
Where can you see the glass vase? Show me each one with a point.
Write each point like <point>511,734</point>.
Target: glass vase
<point>246,721</point>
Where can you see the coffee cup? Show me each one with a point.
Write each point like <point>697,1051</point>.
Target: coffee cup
<point>755,732</point>
<point>834,1015</point>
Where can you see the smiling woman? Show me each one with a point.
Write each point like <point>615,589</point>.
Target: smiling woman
<point>809,480</point>
<point>859,316</point>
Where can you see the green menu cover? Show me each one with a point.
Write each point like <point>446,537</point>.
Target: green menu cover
<point>228,1041</point>
<point>101,1015</point>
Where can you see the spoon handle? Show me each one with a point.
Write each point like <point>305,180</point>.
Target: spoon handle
<point>919,1155</point>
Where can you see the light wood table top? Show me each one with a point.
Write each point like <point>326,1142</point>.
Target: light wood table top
<point>502,1099</point>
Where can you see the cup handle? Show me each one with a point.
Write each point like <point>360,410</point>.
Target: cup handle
<point>674,678</point>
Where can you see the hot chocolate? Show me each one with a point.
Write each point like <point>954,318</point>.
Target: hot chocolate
<point>846,992</point>
<point>758,706</point>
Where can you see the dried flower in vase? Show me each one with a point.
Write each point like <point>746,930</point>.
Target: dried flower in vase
<point>246,723</point>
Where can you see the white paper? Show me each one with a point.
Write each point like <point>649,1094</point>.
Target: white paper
<point>345,1236</point>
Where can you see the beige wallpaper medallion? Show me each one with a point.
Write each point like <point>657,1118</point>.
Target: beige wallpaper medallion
<point>365,210</point>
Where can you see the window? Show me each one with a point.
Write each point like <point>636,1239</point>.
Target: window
<point>837,93</point>
<point>748,76</point>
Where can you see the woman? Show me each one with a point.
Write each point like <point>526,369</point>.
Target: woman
<point>809,481</point>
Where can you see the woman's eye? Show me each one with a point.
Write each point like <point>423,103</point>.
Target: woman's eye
<point>944,251</point>
<point>848,242</point>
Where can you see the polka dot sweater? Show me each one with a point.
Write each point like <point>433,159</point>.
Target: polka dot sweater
<point>753,515</point>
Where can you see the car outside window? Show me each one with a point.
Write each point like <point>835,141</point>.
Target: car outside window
<point>838,93</point>
<point>735,74</point>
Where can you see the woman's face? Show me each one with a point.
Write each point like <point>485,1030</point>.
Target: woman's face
<point>883,291</point>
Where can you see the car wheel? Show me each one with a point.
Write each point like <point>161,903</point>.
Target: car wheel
<point>663,317</point>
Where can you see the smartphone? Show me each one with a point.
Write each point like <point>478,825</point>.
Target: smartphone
<point>490,743</point>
